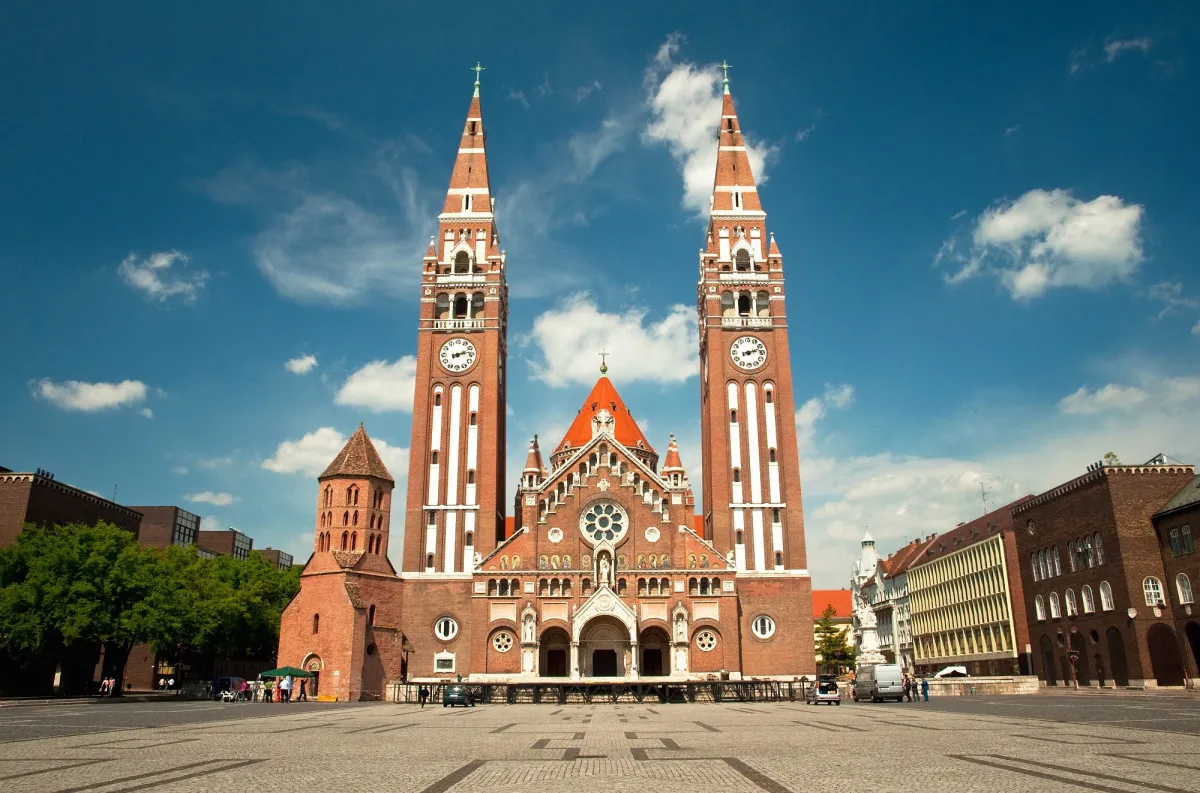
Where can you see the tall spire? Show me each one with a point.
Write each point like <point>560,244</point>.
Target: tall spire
<point>469,194</point>
<point>734,191</point>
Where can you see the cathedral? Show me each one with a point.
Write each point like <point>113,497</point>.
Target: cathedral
<point>604,569</point>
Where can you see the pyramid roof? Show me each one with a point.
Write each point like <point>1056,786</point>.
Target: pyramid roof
<point>358,458</point>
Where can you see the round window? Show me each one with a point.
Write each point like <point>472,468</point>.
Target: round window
<point>763,626</point>
<point>1095,637</point>
<point>706,640</point>
<point>445,628</point>
<point>1029,527</point>
<point>604,521</point>
<point>502,641</point>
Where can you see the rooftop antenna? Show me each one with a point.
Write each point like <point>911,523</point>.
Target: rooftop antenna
<point>983,495</point>
<point>114,498</point>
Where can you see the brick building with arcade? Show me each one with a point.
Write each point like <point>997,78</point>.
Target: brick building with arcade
<point>604,569</point>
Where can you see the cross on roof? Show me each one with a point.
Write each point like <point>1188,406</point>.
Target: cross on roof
<point>725,67</point>
<point>603,361</point>
<point>477,68</point>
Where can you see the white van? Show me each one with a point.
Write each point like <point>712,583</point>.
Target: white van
<point>879,681</point>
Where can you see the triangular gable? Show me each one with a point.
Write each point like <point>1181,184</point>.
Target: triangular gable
<point>695,544</point>
<point>582,452</point>
<point>520,544</point>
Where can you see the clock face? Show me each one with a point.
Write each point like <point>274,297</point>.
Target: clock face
<point>748,353</point>
<point>458,355</point>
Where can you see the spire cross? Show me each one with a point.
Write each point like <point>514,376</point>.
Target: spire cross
<point>603,361</point>
<point>724,67</point>
<point>477,68</point>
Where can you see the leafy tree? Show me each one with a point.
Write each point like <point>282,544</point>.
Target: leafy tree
<point>832,646</point>
<point>1111,458</point>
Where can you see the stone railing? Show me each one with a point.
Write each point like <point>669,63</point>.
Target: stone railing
<point>458,324</point>
<point>745,322</point>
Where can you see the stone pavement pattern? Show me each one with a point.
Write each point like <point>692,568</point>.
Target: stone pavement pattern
<point>1027,744</point>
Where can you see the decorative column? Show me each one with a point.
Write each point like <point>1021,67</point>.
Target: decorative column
<point>575,660</point>
<point>633,654</point>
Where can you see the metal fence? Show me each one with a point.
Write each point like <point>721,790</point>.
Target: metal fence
<point>580,692</point>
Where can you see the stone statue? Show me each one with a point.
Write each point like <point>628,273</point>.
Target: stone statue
<point>680,628</point>
<point>527,635</point>
<point>478,559</point>
<point>604,569</point>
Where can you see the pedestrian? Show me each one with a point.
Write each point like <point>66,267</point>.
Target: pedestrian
<point>286,689</point>
<point>907,689</point>
<point>245,692</point>
<point>925,689</point>
<point>422,695</point>
<point>303,691</point>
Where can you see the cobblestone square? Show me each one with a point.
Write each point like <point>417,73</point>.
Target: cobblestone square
<point>1036,743</point>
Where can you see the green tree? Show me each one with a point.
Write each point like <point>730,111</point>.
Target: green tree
<point>1111,458</point>
<point>832,646</point>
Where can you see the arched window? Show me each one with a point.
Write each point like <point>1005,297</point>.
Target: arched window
<point>1035,567</point>
<point>470,538</point>
<point>733,416</point>
<point>1089,600</point>
<point>779,559</point>
<point>775,515</point>
<point>622,586</point>
<point>762,303</point>
<point>462,260</point>
<point>771,456</point>
<point>354,519</point>
<point>743,304</point>
<point>1152,588</point>
<point>503,587</point>
<point>641,586</point>
<point>737,474</point>
<point>345,518</point>
<point>461,304</point>
<point>693,586</point>
<point>328,496</point>
<point>321,522</point>
<point>477,304</point>
<point>316,624</point>
<point>433,457</point>
<point>739,537</point>
<point>1098,549</point>
<point>1072,604</point>
<point>442,304</point>
<point>1055,609</point>
<point>1072,555</point>
<point>727,306</point>
<point>704,586</point>
<point>1057,562</point>
<point>741,260</point>
<point>437,400</point>
<point>371,615</point>
<point>768,395</point>
<point>493,589</point>
<point>354,541</point>
<point>1039,606</point>
<point>1183,587</point>
<point>1106,598</point>
<point>470,477</point>
<point>345,540</point>
<point>429,561</point>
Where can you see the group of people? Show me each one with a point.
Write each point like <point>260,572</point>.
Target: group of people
<point>107,686</point>
<point>272,691</point>
<point>915,689</point>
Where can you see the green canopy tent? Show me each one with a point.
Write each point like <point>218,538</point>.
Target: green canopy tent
<point>284,671</point>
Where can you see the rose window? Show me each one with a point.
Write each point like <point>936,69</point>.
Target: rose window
<point>706,640</point>
<point>604,521</point>
<point>503,642</point>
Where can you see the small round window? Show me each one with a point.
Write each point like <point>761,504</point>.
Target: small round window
<point>445,628</point>
<point>604,521</point>
<point>502,641</point>
<point>763,627</point>
<point>706,640</point>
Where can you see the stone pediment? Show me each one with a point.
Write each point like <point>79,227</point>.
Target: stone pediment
<point>604,603</point>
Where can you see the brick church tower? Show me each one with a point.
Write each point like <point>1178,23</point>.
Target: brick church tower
<point>455,505</point>
<point>748,433</point>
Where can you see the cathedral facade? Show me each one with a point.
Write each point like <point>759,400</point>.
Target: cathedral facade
<point>604,568</point>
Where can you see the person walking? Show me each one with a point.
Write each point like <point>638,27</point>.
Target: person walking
<point>422,695</point>
<point>907,689</point>
<point>303,691</point>
<point>925,689</point>
<point>286,689</point>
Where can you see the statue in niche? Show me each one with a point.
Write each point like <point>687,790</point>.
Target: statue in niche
<point>604,579</point>
<point>477,560</point>
<point>681,627</point>
<point>628,659</point>
<point>527,629</point>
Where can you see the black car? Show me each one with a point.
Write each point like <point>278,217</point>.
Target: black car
<point>457,695</point>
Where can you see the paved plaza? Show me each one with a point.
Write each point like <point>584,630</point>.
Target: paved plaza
<point>1028,744</point>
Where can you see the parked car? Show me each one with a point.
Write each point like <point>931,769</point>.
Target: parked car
<point>878,682</point>
<point>457,695</point>
<point>823,691</point>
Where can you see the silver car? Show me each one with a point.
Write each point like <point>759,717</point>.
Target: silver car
<point>823,691</point>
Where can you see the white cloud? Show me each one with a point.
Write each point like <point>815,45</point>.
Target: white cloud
<point>903,496</point>
<point>209,497</point>
<point>801,134</point>
<point>1050,239</point>
<point>1087,401</point>
<point>381,386</point>
<point>814,409</point>
<point>322,243</point>
<point>1113,49</point>
<point>147,413</point>
<point>213,463</point>
<point>302,365</point>
<point>518,96</point>
<point>1196,329</point>
<point>584,91</point>
<point>1172,297</point>
<point>212,523</point>
<point>87,397</point>
<point>1011,130</point>
<point>312,454</point>
<point>569,337</point>
<point>156,279</point>
<point>685,113</point>
<point>179,470</point>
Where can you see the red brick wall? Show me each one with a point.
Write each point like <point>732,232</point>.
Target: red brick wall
<point>158,525</point>
<point>788,601</point>
<point>1189,565</point>
<point>25,498</point>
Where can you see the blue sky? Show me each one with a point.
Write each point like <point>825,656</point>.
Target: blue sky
<point>986,213</point>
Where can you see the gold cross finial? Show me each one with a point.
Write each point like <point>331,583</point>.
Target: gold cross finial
<point>603,361</point>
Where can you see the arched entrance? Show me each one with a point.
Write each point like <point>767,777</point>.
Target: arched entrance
<point>604,648</point>
<point>312,663</point>
<point>1099,661</point>
<point>655,647</point>
<point>1082,667</point>
<point>1116,656</point>
<point>554,654</point>
<point>1193,637</point>
<point>1048,671</point>
<point>1164,655</point>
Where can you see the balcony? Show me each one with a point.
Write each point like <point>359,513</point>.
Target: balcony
<point>458,324</point>
<point>745,322</point>
<point>744,275</point>
<point>462,278</point>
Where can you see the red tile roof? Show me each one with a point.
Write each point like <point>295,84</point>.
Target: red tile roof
<point>995,522</point>
<point>838,598</point>
<point>358,458</point>
<point>604,397</point>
